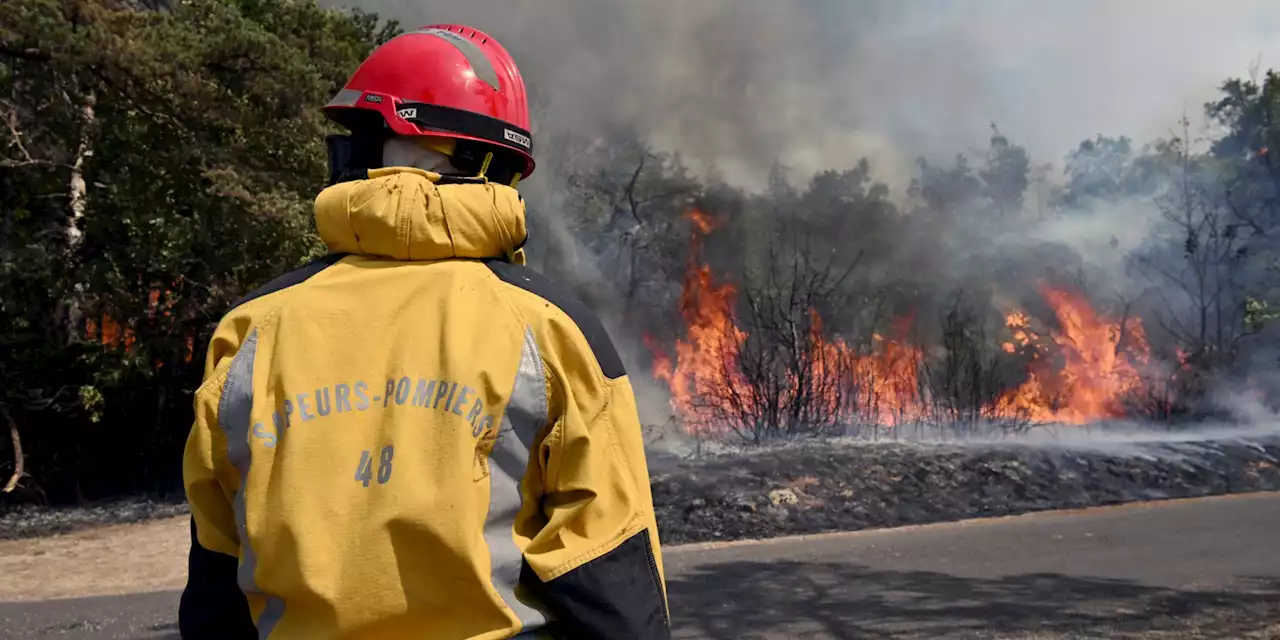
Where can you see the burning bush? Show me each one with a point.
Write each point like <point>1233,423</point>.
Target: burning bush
<point>765,367</point>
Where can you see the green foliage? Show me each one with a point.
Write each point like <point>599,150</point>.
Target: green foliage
<point>942,187</point>
<point>1006,174</point>
<point>146,155</point>
<point>91,399</point>
<point>1257,313</point>
<point>1248,110</point>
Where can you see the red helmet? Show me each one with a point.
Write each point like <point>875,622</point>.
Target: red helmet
<point>443,80</point>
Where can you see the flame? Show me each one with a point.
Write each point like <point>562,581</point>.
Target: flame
<point>705,361</point>
<point>1101,359</point>
<point>111,334</point>
<point>882,384</point>
<point>707,384</point>
<point>1082,370</point>
<point>702,221</point>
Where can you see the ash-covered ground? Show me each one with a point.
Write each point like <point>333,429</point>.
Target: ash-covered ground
<point>811,488</point>
<point>848,485</point>
<point>32,520</point>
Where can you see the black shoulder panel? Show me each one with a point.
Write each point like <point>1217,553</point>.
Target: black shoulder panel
<point>588,323</point>
<point>617,595</point>
<point>297,276</point>
<point>450,178</point>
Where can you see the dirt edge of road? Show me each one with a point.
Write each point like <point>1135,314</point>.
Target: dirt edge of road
<point>102,561</point>
<point>152,556</point>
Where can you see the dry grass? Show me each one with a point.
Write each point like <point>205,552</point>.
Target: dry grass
<point>111,560</point>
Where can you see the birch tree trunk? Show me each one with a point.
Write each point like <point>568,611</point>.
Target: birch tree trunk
<point>78,195</point>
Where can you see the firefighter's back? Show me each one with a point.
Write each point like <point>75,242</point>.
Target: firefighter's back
<point>350,416</point>
<point>382,381</point>
<point>416,436</point>
<point>419,438</point>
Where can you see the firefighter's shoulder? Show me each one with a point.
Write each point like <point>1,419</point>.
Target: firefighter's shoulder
<point>292,278</point>
<point>559,296</point>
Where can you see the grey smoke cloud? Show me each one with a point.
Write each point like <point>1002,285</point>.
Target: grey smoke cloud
<point>735,84</point>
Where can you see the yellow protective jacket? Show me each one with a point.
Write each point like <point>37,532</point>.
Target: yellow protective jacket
<point>418,437</point>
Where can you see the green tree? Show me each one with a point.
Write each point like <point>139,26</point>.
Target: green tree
<point>1006,175</point>
<point>158,164</point>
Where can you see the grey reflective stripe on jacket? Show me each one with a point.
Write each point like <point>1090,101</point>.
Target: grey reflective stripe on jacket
<point>235,409</point>
<point>526,414</point>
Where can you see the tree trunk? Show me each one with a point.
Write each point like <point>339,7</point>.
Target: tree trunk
<point>78,193</point>
<point>18,458</point>
<point>6,210</point>
<point>76,186</point>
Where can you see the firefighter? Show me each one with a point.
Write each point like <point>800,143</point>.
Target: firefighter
<point>416,436</point>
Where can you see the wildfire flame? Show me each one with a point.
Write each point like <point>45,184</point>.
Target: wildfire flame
<point>109,332</point>
<point>705,363</point>
<point>1080,371</point>
<point>1101,362</point>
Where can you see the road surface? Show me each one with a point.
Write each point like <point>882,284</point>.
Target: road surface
<point>1198,568</point>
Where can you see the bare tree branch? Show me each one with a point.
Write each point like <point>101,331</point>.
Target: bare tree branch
<point>630,191</point>
<point>18,457</point>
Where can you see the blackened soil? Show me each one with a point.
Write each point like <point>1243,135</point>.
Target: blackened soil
<point>812,489</point>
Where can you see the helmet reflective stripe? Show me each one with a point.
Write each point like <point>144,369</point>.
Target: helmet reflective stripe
<point>479,61</point>
<point>346,98</point>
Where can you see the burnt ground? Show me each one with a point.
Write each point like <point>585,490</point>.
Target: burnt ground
<point>19,521</point>
<point>819,487</point>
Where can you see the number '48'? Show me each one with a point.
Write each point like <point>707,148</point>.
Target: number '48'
<point>364,470</point>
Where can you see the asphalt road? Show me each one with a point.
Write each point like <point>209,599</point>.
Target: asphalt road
<point>1200,568</point>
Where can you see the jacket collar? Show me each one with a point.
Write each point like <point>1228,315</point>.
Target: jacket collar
<point>410,214</point>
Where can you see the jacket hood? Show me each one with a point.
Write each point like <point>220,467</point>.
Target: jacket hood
<point>410,214</point>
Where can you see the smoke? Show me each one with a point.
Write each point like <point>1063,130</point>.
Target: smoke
<point>734,85</point>
<point>738,86</point>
